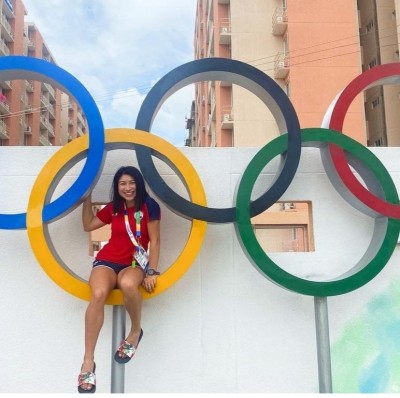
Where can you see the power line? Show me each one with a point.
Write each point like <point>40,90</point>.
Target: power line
<point>146,88</point>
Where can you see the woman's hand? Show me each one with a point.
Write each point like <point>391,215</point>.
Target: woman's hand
<point>149,283</point>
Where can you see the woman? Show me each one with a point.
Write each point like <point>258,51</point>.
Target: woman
<point>122,263</point>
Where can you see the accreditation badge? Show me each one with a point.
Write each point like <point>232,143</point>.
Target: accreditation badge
<point>142,258</point>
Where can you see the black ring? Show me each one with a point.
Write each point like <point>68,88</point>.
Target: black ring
<point>247,77</point>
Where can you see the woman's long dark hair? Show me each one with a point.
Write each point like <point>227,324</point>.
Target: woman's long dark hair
<point>141,193</point>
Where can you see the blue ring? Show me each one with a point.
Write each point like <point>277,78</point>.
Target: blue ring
<point>256,82</point>
<point>22,67</point>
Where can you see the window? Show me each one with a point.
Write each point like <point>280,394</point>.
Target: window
<point>285,227</point>
<point>375,103</point>
<point>372,63</point>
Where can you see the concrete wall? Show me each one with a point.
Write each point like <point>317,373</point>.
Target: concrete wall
<point>222,328</point>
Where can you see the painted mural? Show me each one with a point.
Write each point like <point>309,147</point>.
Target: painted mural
<point>366,358</point>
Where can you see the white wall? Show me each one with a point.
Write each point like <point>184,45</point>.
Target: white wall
<point>222,328</point>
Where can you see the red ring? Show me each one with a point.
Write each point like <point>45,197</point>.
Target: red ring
<point>367,79</point>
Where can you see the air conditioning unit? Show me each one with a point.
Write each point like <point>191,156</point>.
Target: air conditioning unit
<point>227,117</point>
<point>282,64</point>
<point>287,206</point>
<point>224,30</point>
<point>279,19</point>
<point>28,130</point>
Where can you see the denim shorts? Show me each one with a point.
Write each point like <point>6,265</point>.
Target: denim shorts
<point>117,268</point>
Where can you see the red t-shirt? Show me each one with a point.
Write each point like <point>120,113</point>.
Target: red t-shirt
<point>120,248</point>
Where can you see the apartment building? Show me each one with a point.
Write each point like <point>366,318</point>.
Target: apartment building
<point>32,112</point>
<point>309,48</point>
<point>379,39</point>
<point>312,49</point>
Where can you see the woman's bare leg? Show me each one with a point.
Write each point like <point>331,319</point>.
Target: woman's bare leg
<point>129,281</point>
<point>102,281</point>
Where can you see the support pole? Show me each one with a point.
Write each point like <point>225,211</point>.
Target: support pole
<point>118,334</point>
<point>323,344</point>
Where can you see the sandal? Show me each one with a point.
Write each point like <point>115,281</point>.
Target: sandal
<point>87,378</point>
<point>127,349</point>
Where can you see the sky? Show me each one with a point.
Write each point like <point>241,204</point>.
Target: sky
<point>118,50</point>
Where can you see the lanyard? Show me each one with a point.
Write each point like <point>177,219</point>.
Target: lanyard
<point>128,228</point>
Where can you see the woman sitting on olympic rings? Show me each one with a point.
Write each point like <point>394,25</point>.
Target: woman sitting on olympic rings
<point>124,263</point>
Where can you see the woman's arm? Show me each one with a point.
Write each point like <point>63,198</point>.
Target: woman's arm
<point>153,227</point>
<point>89,220</point>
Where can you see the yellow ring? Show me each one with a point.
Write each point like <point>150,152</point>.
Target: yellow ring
<point>65,278</point>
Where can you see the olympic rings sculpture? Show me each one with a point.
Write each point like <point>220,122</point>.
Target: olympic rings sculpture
<point>379,199</point>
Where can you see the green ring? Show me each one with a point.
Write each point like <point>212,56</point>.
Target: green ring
<point>385,234</point>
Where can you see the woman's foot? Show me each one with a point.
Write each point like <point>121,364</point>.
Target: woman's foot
<point>87,377</point>
<point>127,347</point>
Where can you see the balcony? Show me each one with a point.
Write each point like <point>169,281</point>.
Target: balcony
<point>279,22</point>
<point>281,65</point>
<point>44,122</point>
<point>6,29</point>
<point>4,50</point>
<point>227,119</point>
<point>44,101</point>
<point>4,107</point>
<point>5,84</point>
<point>209,124</point>
<point>3,131</point>
<point>43,140</point>
<point>26,106</point>
<point>51,130</point>
<point>210,34</point>
<point>28,130</point>
<point>79,132</point>
<point>211,85</point>
<point>50,89</point>
<point>51,110</point>
<point>8,10</point>
<point>30,44</point>
<point>213,134</point>
<point>80,117</point>
<point>225,31</point>
<point>213,107</point>
<point>29,86</point>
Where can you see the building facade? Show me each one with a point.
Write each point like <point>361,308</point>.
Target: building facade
<point>32,112</point>
<point>311,50</point>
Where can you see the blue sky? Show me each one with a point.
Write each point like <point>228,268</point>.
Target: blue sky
<point>119,49</point>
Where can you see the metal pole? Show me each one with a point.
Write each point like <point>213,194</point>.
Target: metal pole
<point>323,344</point>
<point>118,334</point>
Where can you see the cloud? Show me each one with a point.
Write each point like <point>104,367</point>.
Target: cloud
<point>118,48</point>
<point>169,122</point>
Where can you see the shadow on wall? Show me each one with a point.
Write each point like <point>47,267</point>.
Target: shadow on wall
<point>366,358</point>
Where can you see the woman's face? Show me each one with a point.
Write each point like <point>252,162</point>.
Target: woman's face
<point>127,188</point>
